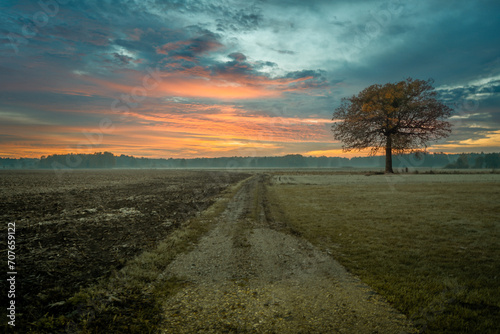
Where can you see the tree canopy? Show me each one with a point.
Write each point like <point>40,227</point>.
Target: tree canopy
<point>400,117</point>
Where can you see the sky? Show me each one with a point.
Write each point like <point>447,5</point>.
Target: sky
<point>184,79</point>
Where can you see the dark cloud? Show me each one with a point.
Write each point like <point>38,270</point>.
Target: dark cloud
<point>263,64</point>
<point>192,48</point>
<point>95,34</point>
<point>286,52</point>
<point>237,66</point>
<point>479,100</point>
<point>305,74</point>
<point>462,132</point>
<point>241,20</point>
<point>150,39</point>
<point>236,15</point>
<point>238,56</point>
<point>189,6</point>
<point>313,79</point>
<point>426,40</point>
<point>8,138</point>
<point>205,43</point>
<point>494,87</point>
<point>122,59</point>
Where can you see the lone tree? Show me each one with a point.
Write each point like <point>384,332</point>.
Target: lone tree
<point>400,117</point>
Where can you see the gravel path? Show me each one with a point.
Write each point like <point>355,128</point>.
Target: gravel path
<point>245,277</point>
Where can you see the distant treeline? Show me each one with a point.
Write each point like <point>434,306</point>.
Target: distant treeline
<point>109,160</point>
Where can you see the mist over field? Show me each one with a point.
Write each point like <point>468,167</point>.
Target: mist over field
<point>406,161</point>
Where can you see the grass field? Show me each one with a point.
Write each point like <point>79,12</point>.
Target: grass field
<point>429,244</point>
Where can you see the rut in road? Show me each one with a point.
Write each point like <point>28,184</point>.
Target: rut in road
<point>246,277</point>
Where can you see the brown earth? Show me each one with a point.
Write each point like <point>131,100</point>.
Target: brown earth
<point>251,274</point>
<point>73,228</point>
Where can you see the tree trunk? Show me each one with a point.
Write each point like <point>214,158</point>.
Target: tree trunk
<point>388,155</point>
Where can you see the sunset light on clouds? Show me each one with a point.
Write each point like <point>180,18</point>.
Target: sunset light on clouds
<point>188,79</point>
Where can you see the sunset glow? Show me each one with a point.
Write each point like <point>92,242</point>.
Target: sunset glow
<point>185,81</point>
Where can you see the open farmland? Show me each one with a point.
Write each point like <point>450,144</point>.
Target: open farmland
<point>430,244</point>
<point>75,227</point>
<point>259,252</point>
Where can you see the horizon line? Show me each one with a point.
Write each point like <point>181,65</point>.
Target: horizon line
<point>229,157</point>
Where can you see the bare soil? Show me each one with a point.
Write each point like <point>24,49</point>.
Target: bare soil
<point>251,274</point>
<point>73,228</point>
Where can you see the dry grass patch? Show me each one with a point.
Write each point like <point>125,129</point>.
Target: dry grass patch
<point>433,250</point>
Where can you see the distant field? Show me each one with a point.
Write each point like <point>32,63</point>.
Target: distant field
<point>430,244</point>
<point>322,178</point>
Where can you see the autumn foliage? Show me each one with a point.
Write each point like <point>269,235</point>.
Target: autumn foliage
<point>400,117</point>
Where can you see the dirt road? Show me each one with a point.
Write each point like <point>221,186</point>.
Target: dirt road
<point>246,276</point>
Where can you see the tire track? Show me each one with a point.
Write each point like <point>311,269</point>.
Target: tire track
<point>245,277</point>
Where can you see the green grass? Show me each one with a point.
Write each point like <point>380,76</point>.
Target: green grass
<point>432,250</point>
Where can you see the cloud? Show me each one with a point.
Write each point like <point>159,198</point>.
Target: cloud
<point>286,52</point>
<point>309,79</point>
<point>269,60</point>
<point>249,18</point>
<point>475,102</point>
<point>228,122</point>
<point>238,57</point>
<point>122,59</point>
<point>192,48</point>
<point>90,32</point>
<point>16,118</point>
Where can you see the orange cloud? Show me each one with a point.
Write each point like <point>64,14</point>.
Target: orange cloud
<point>199,82</point>
<point>337,153</point>
<point>223,121</point>
<point>214,88</point>
<point>491,141</point>
<point>236,82</point>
